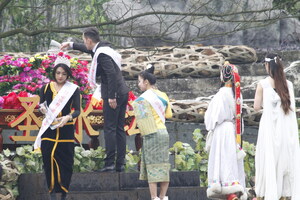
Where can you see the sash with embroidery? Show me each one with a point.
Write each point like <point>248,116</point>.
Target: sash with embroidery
<point>93,69</point>
<point>156,103</point>
<point>55,108</point>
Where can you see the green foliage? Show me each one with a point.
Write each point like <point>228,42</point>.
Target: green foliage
<point>93,12</point>
<point>51,14</point>
<point>88,160</point>
<point>132,160</point>
<point>4,87</point>
<point>187,159</point>
<point>9,179</point>
<point>292,6</point>
<point>25,160</point>
<point>249,161</point>
<point>200,141</point>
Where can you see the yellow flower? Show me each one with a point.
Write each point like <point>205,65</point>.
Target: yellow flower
<point>73,61</point>
<point>45,57</point>
<point>32,59</point>
<point>37,55</point>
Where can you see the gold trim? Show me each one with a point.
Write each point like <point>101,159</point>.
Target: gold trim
<point>53,159</point>
<point>54,140</point>
<point>59,177</point>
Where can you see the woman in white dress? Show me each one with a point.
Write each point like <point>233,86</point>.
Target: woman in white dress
<point>226,177</point>
<point>277,165</point>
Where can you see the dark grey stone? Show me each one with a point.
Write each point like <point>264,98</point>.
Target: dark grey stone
<point>178,193</point>
<point>97,195</point>
<point>121,186</point>
<point>177,179</point>
<point>95,181</point>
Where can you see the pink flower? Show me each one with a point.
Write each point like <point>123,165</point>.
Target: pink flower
<point>1,102</point>
<point>26,69</point>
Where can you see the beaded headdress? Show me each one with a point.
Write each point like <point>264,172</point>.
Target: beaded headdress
<point>62,60</point>
<point>231,72</point>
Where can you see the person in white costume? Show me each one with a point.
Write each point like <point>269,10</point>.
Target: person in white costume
<point>277,158</point>
<point>226,177</point>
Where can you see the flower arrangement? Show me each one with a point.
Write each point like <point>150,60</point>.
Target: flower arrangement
<point>25,76</point>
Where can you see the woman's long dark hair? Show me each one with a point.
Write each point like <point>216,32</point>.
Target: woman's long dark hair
<point>276,72</point>
<point>65,68</point>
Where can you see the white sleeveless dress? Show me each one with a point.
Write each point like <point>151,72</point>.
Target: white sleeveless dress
<point>277,159</point>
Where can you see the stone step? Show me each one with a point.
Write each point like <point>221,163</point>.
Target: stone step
<point>177,179</point>
<point>174,193</point>
<point>122,185</point>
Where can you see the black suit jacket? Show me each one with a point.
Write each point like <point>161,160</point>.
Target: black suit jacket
<point>112,81</point>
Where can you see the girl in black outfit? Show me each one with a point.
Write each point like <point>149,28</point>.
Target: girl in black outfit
<point>57,145</point>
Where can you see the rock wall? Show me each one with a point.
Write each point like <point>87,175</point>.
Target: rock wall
<point>251,28</point>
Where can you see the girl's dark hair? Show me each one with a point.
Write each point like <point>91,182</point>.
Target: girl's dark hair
<point>276,72</point>
<point>148,74</point>
<point>92,33</point>
<point>65,67</point>
<point>228,76</point>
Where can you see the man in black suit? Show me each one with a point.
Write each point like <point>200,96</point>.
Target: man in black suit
<point>114,93</point>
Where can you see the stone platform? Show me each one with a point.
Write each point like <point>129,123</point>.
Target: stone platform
<point>113,186</point>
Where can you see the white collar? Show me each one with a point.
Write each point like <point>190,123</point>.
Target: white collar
<point>95,47</point>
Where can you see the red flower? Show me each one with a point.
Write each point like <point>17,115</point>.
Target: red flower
<point>67,56</point>
<point>41,70</point>
<point>60,53</point>
<point>131,96</point>
<point>23,94</point>
<point>11,101</point>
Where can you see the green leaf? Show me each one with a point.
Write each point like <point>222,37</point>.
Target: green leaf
<point>203,168</point>
<point>20,151</point>
<point>86,153</point>
<point>6,152</point>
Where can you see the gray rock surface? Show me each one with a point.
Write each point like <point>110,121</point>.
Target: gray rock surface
<point>203,29</point>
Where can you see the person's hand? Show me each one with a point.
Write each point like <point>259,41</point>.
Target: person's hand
<point>63,120</point>
<point>65,46</point>
<point>42,109</point>
<point>112,103</point>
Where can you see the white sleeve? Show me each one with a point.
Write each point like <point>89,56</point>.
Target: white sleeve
<point>71,45</point>
<point>215,112</point>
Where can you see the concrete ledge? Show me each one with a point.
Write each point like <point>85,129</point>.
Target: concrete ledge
<point>177,179</point>
<point>174,193</point>
<point>110,186</point>
<point>95,181</point>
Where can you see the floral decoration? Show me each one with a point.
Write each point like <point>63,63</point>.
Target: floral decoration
<point>25,76</point>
